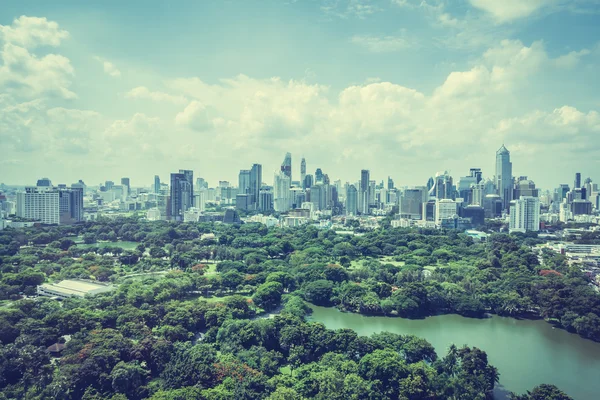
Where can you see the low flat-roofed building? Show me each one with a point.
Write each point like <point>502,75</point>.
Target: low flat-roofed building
<point>73,288</point>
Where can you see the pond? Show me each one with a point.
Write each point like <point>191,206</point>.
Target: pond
<point>527,353</point>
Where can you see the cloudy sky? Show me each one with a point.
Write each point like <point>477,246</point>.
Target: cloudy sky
<point>401,87</point>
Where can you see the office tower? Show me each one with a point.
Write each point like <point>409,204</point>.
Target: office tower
<point>504,179</point>
<point>476,173</point>
<point>80,184</point>
<point>286,166</point>
<point>282,199</point>
<point>244,181</point>
<point>39,203</point>
<point>302,172</point>
<point>126,187</point>
<point>475,213</point>
<point>442,186</point>
<point>318,176</point>
<point>525,214</point>
<point>308,181</point>
<point>265,200</point>
<point>182,193</point>
<point>390,183</point>
<point>201,183</point>
<point>477,194</point>
<point>44,182</point>
<point>156,184</point>
<point>492,205</point>
<point>255,185</point>
<point>70,204</point>
<point>411,202</point>
<point>525,187</point>
<point>430,183</point>
<point>466,184</point>
<point>109,185</point>
<point>445,208</point>
<point>363,192</point>
<point>577,182</point>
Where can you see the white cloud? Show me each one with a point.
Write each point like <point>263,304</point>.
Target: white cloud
<point>31,32</point>
<point>110,69</point>
<point>350,8</point>
<point>26,75</point>
<point>195,116</point>
<point>142,92</point>
<point>383,44</point>
<point>571,60</point>
<point>509,10</point>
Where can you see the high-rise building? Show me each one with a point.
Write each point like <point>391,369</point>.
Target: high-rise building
<point>504,179</point>
<point>351,200</point>
<point>308,181</point>
<point>364,191</point>
<point>70,204</point>
<point>302,172</point>
<point>282,199</point>
<point>44,182</point>
<point>411,202</point>
<point>255,185</point>
<point>445,208</point>
<point>265,200</point>
<point>201,184</point>
<point>109,185</point>
<point>525,187</point>
<point>80,184</point>
<point>126,186</point>
<point>430,183</point>
<point>182,193</point>
<point>476,173</point>
<point>442,186</point>
<point>318,176</point>
<point>286,166</point>
<point>40,203</point>
<point>156,184</point>
<point>390,183</point>
<point>525,214</point>
<point>577,182</point>
<point>244,181</point>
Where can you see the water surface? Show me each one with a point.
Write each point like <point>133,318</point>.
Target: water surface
<point>526,353</point>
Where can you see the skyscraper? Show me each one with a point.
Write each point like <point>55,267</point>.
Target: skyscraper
<point>318,175</point>
<point>390,183</point>
<point>182,193</point>
<point>286,166</point>
<point>109,185</point>
<point>577,182</point>
<point>125,184</point>
<point>364,191</point>
<point>255,184</point>
<point>282,199</point>
<point>302,172</point>
<point>156,184</point>
<point>525,214</point>
<point>244,181</point>
<point>39,203</point>
<point>44,182</point>
<point>504,179</point>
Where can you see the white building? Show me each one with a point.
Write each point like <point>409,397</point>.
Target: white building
<point>39,203</point>
<point>444,208</point>
<point>153,214</point>
<point>192,215</point>
<point>525,214</point>
<point>282,196</point>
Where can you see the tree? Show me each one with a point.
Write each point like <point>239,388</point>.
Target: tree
<point>268,295</point>
<point>319,292</point>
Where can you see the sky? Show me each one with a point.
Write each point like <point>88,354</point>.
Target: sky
<point>405,88</point>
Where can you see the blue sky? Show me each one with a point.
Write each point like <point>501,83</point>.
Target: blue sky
<point>100,90</point>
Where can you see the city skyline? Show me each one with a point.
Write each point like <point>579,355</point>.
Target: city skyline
<point>404,88</point>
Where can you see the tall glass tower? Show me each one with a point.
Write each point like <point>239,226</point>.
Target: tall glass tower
<point>504,179</point>
<point>286,165</point>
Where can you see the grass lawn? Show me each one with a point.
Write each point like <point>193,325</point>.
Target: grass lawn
<point>384,260</point>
